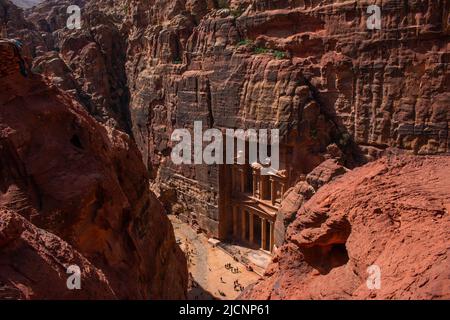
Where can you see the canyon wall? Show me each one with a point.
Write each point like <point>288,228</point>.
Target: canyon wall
<point>307,66</point>
<point>350,95</point>
<point>341,95</point>
<point>75,192</point>
<point>87,63</point>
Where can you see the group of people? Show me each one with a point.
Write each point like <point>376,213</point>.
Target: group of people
<point>237,286</point>
<point>228,266</point>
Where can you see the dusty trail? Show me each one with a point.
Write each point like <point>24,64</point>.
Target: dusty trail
<point>211,279</point>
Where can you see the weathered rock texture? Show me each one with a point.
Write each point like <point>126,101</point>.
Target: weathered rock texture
<point>88,63</point>
<point>340,94</point>
<point>34,264</point>
<point>393,213</point>
<point>302,192</point>
<point>95,56</point>
<point>86,186</point>
<point>19,27</point>
<point>310,66</point>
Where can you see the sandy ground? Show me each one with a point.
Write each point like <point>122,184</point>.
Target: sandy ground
<point>210,279</point>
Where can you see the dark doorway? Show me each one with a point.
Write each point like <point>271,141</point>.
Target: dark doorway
<point>257,230</point>
<point>247,225</point>
<point>267,242</point>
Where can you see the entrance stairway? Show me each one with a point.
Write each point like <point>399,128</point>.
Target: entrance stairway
<point>258,260</point>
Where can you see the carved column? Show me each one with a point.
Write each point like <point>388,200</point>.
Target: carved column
<point>273,190</point>
<point>243,214</point>
<point>236,181</point>
<point>251,227</point>
<point>261,189</point>
<point>263,233</point>
<point>271,236</point>
<point>235,221</point>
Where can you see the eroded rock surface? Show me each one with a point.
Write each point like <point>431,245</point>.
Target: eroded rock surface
<point>310,66</point>
<point>307,66</point>
<point>34,264</point>
<point>86,186</point>
<point>296,196</point>
<point>340,93</point>
<point>393,213</point>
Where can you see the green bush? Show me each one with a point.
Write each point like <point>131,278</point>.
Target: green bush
<point>223,4</point>
<point>279,54</point>
<point>344,139</point>
<point>261,50</point>
<point>275,53</point>
<point>244,42</point>
<point>313,133</point>
<point>237,12</point>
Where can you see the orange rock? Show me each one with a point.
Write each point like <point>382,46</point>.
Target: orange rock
<point>34,262</point>
<point>392,213</point>
<point>85,184</point>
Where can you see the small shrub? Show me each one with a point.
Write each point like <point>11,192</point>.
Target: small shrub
<point>237,12</point>
<point>261,50</point>
<point>223,4</point>
<point>313,133</point>
<point>344,139</point>
<point>244,42</point>
<point>275,53</point>
<point>279,54</point>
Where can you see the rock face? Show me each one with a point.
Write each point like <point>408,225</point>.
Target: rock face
<point>34,264</point>
<point>9,53</point>
<point>83,193</point>
<point>312,66</point>
<point>19,27</point>
<point>303,191</point>
<point>90,61</point>
<point>393,213</point>
<point>340,94</point>
<point>151,67</point>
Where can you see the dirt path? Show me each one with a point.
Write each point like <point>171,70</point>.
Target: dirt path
<point>211,279</point>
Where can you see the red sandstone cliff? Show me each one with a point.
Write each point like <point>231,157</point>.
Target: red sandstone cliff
<point>350,93</point>
<point>393,213</point>
<point>34,264</point>
<point>305,66</point>
<point>76,192</point>
<point>309,67</point>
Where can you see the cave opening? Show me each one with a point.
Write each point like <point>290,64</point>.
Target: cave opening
<point>76,142</point>
<point>332,253</point>
<point>324,258</point>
